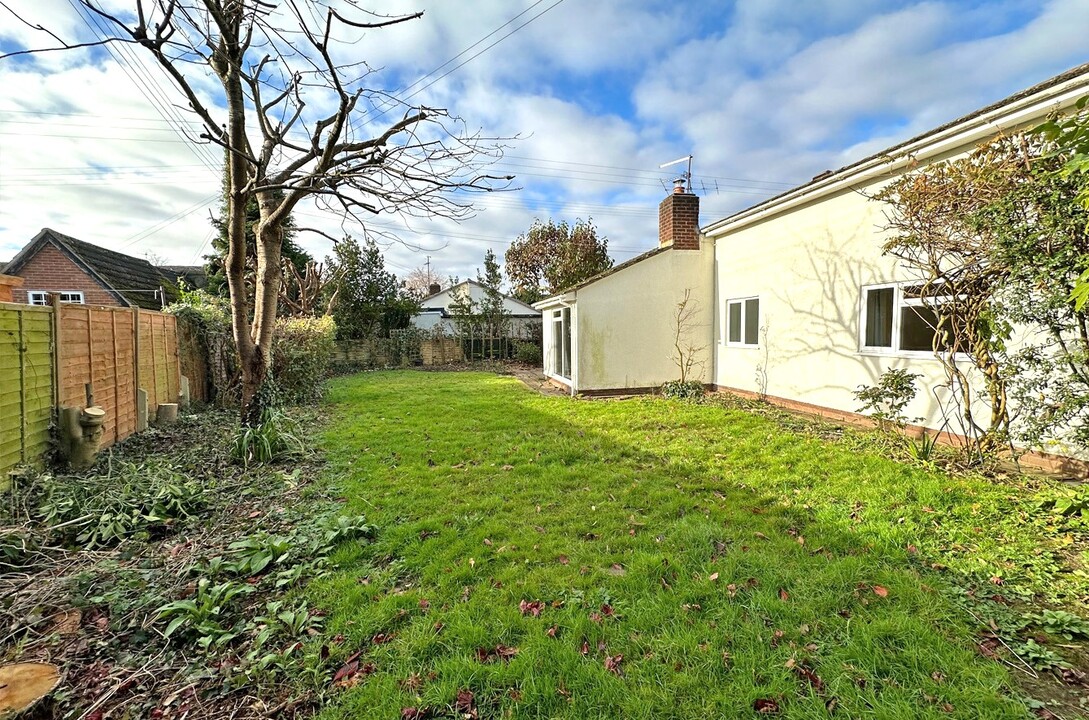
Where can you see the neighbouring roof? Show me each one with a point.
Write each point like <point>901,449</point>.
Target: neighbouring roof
<point>533,312</point>
<point>541,304</point>
<point>831,176</point>
<point>133,281</point>
<point>195,276</point>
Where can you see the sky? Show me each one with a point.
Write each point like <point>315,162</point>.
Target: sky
<point>592,96</point>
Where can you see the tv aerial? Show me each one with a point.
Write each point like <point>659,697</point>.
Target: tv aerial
<point>686,178</point>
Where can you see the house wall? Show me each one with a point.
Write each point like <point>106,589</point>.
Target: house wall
<point>625,322</point>
<point>808,266</point>
<point>444,299</point>
<point>52,270</point>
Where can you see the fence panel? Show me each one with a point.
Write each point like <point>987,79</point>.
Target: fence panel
<point>26,383</point>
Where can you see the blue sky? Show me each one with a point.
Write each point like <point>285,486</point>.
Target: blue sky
<point>765,94</point>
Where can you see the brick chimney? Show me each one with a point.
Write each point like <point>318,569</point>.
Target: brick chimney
<point>679,219</point>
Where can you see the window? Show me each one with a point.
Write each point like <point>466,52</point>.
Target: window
<point>41,297</point>
<point>743,322</point>
<point>896,319</point>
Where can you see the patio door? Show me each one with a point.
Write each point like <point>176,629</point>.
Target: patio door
<point>561,343</point>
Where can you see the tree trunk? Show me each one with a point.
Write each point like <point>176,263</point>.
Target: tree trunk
<point>255,373</point>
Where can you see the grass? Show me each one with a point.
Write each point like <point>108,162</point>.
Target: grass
<point>690,561</point>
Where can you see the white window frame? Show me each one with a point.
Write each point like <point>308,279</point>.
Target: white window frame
<point>899,302</point>
<point>558,341</point>
<point>34,296</point>
<point>726,321</point>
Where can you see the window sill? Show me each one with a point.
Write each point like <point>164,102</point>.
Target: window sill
<point>907,354</point>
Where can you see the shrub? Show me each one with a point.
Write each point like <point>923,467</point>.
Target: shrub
<point>683,390</point>
<point>527,352</point>
<point>301,356</point>
<point>885,401</point>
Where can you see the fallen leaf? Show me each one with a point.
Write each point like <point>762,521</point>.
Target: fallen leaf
<point>612,663</point>
<point>995,580</point>
<point>714,577</point>
<point>472,563</point>
<point>880,591</point>
<point>499,652</point>
<point>463,704</point>
<point>508,467</point>
<point>809,676</point>
<point>760,535</point>
<point>563,559</point>
<point>731,589</point>
<point>783,595</point>
<point>551,632</point>
<point>531,608</point>
<point>487,542</point>
<point>424,603</point>
<point>411,713</point>
<point>765,706</point>
<point>585,649</point>
<point>607,610</point>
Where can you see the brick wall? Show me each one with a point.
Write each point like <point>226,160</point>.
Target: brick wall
<point>678,221</point>
<point>53,271</point>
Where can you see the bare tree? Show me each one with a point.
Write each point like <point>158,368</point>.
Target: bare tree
<point>686,354</point>
<point>273,85</point>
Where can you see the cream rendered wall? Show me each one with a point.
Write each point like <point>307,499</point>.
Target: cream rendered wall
<point>808,266</point>
<point>625,321</point>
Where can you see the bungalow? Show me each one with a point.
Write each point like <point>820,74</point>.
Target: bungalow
<point>791,299</point>
<point>436,310</point>
<point>78,272</point>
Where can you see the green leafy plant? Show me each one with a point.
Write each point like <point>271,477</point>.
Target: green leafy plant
<point>923,448</point>
<point>203,618</point>
<point>1038,656</point>
<point>682,390</point>
<point>98,510</point>
<point>527,352</point>
<point>885,401</point>
<point>1061,623</point>
<point>273,437</point>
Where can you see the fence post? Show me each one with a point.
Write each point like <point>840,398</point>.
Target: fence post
<point>116,374</point>
<point>135,363</point>
<point>23,347</point>
<point>57,355</point>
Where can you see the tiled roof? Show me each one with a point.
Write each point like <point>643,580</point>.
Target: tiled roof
<point>134,280</point>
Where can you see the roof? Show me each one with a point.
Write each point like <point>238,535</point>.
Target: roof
<point>830,178</point>
<point>423,303</point>
<point>133,281</point>
<point>541,304</point>
<point>195,276</point>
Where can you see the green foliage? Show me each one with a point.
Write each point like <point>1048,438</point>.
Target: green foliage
<point>527,352</point>
<point>493,313</point>
<point>301,356</point>
<point>205,618</point>
<point>273,437</point>
<point>550,258</point>
<point>922,449</point>
<point>886,400</point>
<point>209,318</point>
<point>1060,623</point>
<point>129,500</point>
<point>1038,656</point>
<point>683,390</point>
<point>369,300</point>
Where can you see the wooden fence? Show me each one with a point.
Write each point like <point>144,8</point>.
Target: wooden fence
<point>49,354</point>
<point>26,383</point>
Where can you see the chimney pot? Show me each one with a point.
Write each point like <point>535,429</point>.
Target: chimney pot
<point>678,185</point>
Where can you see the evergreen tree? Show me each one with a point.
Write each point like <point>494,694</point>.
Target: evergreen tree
<point>370,301</point>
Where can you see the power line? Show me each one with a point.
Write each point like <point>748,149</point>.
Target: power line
<point>416,92</point>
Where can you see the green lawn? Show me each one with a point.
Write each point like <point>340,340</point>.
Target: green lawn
<point>689,561</point>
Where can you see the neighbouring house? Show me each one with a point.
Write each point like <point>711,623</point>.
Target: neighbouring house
<point>78,272</point>
<point>794,300</point>
<point>435,310</point>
